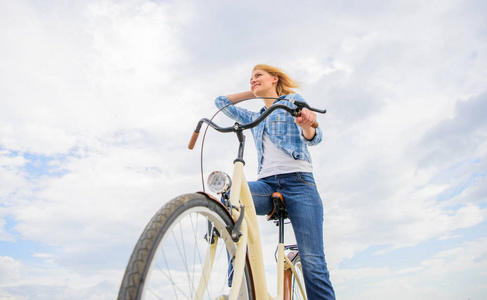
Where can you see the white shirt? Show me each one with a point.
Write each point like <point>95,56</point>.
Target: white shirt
<point>278,162</point>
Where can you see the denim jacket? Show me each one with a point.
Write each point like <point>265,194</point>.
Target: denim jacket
<point>279,125</point>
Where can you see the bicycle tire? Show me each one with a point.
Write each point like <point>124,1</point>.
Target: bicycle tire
<point>298,276</point>
<point>168,259</point>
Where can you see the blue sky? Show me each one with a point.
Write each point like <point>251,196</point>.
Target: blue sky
<point>99,98</point>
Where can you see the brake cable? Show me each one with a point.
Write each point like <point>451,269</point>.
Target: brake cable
<point>208,125</point>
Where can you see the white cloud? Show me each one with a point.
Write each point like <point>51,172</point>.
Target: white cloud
<point>9,269</point>
<point>106,67</point>
<point>12,182</point>
<point>10,177</point>
<point>430,279</point>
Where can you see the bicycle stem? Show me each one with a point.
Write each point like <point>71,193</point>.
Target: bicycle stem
<point>241,146</point>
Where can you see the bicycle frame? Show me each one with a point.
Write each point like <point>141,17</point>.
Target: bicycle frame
<point>241,193</point>
<point>250,240</point>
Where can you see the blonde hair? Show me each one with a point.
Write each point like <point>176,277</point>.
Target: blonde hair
<point>285,84</point>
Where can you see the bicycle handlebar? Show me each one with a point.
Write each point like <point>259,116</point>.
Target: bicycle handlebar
<point>295,112</point>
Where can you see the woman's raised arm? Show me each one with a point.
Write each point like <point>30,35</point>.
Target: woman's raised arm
<point>239,96</point>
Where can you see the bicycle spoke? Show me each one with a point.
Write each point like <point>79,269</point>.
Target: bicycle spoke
<point>155,295</point>
<point>170,277</point>
<point>182,257</point>
<point>185,259</point>
<point>182,253</point>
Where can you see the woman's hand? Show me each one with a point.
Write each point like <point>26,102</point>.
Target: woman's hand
<point>305,120</point>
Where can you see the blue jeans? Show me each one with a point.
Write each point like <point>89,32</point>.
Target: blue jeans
<point>305,210</point>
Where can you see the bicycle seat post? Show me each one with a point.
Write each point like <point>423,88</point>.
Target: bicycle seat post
<point>280,223</point>
<point>279,214</point>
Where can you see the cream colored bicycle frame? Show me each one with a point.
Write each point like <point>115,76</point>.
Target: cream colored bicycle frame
<point>250,240</point>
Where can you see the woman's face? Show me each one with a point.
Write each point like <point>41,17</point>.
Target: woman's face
<point>263,84</point>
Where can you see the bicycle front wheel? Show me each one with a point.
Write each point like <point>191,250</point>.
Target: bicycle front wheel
<point>184,253</point>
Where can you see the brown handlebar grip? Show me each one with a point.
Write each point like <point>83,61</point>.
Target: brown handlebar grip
<point>314,125</point>
<point>192,142</point>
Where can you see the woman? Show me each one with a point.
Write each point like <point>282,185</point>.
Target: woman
<point>284,165</point>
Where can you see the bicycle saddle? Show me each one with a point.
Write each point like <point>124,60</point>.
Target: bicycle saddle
<point>279,209</point>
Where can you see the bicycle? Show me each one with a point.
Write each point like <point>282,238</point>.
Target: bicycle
<point>198,247</point>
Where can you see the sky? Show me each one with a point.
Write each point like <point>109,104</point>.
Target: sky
<point>98,100</point>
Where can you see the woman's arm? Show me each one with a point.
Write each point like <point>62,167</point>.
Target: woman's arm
<point>238,114</point>
<point>239,96</point>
